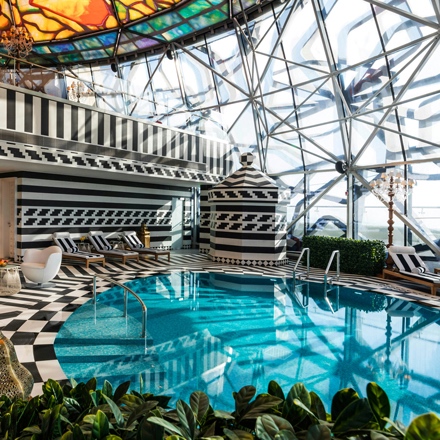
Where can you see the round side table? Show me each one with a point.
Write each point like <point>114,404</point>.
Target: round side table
<point>10,283</point>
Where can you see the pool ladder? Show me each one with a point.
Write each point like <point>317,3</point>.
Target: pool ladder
<point>127,290</point>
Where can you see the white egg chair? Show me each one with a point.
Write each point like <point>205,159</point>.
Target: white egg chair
<point>41,266</point>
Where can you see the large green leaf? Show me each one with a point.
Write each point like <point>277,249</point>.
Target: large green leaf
<point>167,425</point>
<point>140,411</point>
<point>243,397</point>
<point>299,391</point>
<point>275,390</point>
<point>149,431</point>
<point>379,403</point>
<point>238,434</point>
<point>341,400</point>
<point>131,401</point>
<point>357,415</point>
<point>317,407</point>
<point>121,390</point>
<point>266,428</point>
<point>52,388</point>
<point>199,403</point>
<point>107,389</point>
<point>260,406</point>
<point>319,432</point>
<point>119,418</point>
<point>424,427</point>
<point>91,384</point>
<point>186,418</point>
<point>100,426</point>
<point>285,435</point>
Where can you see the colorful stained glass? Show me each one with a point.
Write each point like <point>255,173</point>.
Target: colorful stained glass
<point>135,25</point>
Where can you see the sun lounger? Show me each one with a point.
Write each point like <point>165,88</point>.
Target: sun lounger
<point>132,241</point>
<point>71,252</point>
<point>410,267</point>
<point>102,245</point>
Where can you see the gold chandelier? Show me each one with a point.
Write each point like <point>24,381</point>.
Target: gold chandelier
<point>18,41</point>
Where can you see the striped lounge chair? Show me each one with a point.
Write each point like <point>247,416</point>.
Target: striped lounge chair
<point>132,241</point>
<point>71,252</point>
<point>410,267</point>
<point>102,245</point>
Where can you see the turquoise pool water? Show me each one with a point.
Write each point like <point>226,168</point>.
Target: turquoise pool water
<point>217,333</point>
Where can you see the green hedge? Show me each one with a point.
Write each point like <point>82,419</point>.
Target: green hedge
<point>362,257</point>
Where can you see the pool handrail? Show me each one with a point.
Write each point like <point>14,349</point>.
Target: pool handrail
<point>336,252</point>
<point>126,289</point>
<point>307,252</point>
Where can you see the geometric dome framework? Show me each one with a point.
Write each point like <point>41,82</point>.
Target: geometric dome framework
<point>304,87</point>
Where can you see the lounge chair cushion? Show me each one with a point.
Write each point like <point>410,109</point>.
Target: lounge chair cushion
<point>65,242</point>
<point>132,240</point>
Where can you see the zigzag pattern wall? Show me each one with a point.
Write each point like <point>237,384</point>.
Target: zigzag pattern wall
<point>53,203</point>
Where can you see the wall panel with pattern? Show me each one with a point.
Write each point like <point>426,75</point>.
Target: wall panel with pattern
<point>52,203</point>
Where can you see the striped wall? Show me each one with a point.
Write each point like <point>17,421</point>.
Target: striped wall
<point>28,117</point>
<point>53,203</point>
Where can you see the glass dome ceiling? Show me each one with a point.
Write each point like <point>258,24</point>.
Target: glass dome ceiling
<point>78,31</point>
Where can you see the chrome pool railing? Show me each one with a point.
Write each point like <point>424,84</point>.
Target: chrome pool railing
<point>299,274</point>
<point>126,291</point>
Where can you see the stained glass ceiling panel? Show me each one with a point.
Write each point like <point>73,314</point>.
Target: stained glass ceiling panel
<point>75,31</point>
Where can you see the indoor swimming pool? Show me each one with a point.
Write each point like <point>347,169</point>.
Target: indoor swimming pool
<point>217,332</point>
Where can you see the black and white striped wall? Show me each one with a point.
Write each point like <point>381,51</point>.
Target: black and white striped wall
<point>37,119</point>
<point>50,203</point>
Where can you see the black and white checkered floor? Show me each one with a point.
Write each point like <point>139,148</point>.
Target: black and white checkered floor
<point>32,317</point>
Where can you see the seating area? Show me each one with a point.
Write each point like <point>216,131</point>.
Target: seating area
<point>41,266</point>
<point>99,241</point>
<point>410,267</point>
<point>71,252</point>
<point>133,243</point>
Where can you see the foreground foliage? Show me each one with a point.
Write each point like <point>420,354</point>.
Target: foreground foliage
<point>81,411</point>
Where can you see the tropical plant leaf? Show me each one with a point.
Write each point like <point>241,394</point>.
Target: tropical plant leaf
<point>107,389</point>
<point>341,400</point>
<point>220,414</point>
<point>265,429</point>
<point>317,407</point>
<point>100,426</point>
<point>397,426</point>
<point>319,432</point>
<point>259,406</point>
<point>121,390</point>
<point>186,418</point>
<point>52,388</point>
<point>91,384</point>
<point>149,431</point>
<point>119,418</point>
<point>379,403</point>
<point>299,391</point>
<point>243,397</point>
<point>199,403</point>
<point>238,434</point>
<point>167,425</point>
<point>307,410</point>
<point>275,390</point>
<point>426,426</point>
<point>131,401</point>
<point>285,435</point>
<point>357,415</point>
<point>140,411</point>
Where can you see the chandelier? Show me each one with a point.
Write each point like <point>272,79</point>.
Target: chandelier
<point>391,187</point>
<point>18,41</point>
<point>78,90</point>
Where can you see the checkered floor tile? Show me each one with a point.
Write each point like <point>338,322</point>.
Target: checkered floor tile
<point>32,317</point>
